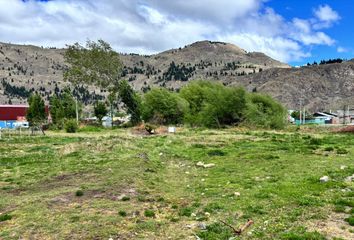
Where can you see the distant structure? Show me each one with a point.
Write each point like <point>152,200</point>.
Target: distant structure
<point>13,116</point>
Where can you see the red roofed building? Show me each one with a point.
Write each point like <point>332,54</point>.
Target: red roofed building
<point>12,112</point>
<point>15,112</point>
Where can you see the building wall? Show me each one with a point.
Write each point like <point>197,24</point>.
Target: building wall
<point>11,113</point>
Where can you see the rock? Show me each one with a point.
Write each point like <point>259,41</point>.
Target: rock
<point>237,194</point>
<point>201,164</point>
<point>202,226</point>
<point>207,214</point>
<point>342,167</point>
<point>210,165</point>
<point>193,215</point>
<point>350,178</point>
<point>324,179</point>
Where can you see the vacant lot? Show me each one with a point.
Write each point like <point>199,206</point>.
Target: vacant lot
<point>121,185</point>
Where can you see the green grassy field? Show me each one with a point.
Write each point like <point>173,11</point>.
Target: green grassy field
<point>121,185</point>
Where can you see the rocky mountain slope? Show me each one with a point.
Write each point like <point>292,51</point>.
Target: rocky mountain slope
<point>322,87</point>
<point>24,69</point>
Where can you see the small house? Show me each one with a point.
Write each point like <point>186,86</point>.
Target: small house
<point>328,118</point>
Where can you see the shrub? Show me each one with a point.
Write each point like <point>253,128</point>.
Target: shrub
<point>149,213</point>
<point>71,126</point>
<point>213,105</point>
<point>161,106</point>
<point>264,111</point>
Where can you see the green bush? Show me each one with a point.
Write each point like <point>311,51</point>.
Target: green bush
<point>264,111</point>
<point>213,105</point>
<point>71,126</point>
<point>161,106</point>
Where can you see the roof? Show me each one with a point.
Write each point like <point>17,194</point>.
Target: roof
<point>14,106</point>
<point>324,114</point>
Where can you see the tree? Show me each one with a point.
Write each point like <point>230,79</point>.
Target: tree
<point>36,115</point>
<point>100,110</point>
<point>95,64</point>
<point>131,100</point>
<point>62,107</point>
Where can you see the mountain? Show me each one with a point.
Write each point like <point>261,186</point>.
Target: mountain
<point>319,87</point>
<point>24,69</point>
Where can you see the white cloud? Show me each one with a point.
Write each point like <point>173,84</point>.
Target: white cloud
<point>342,50</point>
<point>326,14</point>
<point>150,26</point>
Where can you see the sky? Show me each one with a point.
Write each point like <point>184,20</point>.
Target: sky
<point>291,31</point>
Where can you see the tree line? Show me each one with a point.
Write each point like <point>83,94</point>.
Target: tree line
<point>199,103</point>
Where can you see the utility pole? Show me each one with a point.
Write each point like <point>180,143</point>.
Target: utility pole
<point>300,118</point>
<point>344,115</point>
<point>77,111</point>
<point>304,116</point>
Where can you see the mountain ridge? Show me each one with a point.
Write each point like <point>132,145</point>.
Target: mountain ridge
<point>26,68</point>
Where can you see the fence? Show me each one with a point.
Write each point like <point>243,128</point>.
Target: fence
<point>19,132</point>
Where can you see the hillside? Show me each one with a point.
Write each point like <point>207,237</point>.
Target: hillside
<point>329,86</point>
<point>24,69</point>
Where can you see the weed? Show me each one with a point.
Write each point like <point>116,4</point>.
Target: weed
<point>329,149</point>
<point>303,236</point>
<point>79,193</point>
<point>5,217</point>
<point>350,220</point>
<point>216,152</point>
<point>185,211</point>
<point>342,151</point>
<point>213,207</point>
<point>216,231</point>
<point>122,213</point>
<point>125,198</point>
<point>149,213</point>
